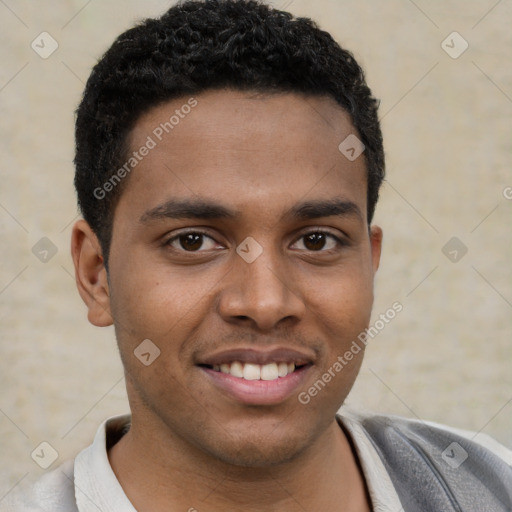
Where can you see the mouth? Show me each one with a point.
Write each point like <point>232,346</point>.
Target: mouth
<point>258,378</point>
<point>251,371</point>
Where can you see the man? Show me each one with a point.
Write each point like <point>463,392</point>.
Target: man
<point>228,163</point>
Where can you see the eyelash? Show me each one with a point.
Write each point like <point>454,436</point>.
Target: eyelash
<point>339,241</point>
<point>169,241</point>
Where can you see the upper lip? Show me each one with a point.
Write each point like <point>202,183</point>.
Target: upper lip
<point>262,357</point>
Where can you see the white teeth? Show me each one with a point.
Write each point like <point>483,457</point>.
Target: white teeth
<point>282,370</point>
<point>269,372</point>
<point>237,369</point>
<point>250,371</point>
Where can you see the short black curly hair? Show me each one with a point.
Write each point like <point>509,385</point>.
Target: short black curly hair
<point>209,44</point>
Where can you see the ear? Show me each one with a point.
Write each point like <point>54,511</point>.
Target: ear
<point>91,274</point>
<point>376,246</point>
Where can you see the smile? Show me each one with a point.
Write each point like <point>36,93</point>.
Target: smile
<point>258,377</point>
<point>250,371</point>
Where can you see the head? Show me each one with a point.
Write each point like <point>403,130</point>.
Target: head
<point>200,46</point>
<point>223,223</point>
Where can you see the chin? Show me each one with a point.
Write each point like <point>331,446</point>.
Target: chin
<point>248,456</point>
<point>249,449</point>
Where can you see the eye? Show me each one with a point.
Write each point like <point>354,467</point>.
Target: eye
<point>317,241</point>
<point>192,242</point>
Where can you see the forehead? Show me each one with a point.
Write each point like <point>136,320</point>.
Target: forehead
<point>244,147</point>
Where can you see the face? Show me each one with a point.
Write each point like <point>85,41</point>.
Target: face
<point>241,250</point>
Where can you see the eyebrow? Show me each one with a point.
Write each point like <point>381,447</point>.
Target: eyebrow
<point>202,209</point>
<point>330,208</point>
<point>187,209</point>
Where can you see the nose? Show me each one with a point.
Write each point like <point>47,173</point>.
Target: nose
<point>260,294</point>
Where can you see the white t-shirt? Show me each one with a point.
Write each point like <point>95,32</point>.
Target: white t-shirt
<point>88,483</point>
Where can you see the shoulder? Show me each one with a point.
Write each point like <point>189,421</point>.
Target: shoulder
<point>390,429</point>
<point>89,473</point>
<point>54,492</point>
<point>435,464</point>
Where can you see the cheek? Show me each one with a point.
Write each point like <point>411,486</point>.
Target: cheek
<point>342,312</point>
<point>342,299</point>
<point>156,300</point>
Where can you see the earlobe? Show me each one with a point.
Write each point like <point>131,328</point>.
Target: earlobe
<point>376,246</point>
<point>91,274</point>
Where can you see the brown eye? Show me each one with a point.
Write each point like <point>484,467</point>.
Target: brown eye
<point>191,241</point>
<point>315,241</point>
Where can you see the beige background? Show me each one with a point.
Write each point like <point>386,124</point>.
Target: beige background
<point>446,122</point>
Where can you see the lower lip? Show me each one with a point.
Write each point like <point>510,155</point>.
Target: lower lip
<point>259,392</point>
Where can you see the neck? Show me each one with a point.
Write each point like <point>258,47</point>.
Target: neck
<point>171,475</point>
